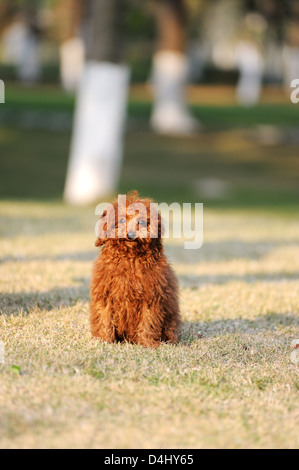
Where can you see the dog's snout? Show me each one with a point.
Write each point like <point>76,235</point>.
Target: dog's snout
<point>131,235</point>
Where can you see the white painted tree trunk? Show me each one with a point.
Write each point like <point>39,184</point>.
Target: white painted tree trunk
<point>170,112</point>
<point>290,65</point>
<point>71,63</point>
<point>250,64</point>
<point>29,67</point>
<point>96,150</point>
<point>21,48</point>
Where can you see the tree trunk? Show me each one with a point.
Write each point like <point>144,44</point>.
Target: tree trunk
<point>106,31</point>
<point>97,141</point>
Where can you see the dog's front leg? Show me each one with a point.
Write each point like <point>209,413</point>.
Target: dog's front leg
<point>150,328</point>
<point>105,333</point>
<point>101,323</point>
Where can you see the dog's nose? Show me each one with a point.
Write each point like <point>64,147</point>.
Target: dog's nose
<point>131,235</point>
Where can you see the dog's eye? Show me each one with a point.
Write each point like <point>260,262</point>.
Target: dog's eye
<point>142,223</point>
<point>122,221</point>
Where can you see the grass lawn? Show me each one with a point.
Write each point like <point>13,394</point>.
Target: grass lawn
<point>230,381</point>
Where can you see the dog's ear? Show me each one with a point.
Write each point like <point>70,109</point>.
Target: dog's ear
<point>101,229</point>
<point>99,242</point>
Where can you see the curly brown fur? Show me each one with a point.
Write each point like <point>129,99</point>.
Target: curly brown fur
<point>134,291</point>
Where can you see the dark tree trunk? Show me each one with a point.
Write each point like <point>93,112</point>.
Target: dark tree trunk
<point>105,33</point>
<point>171,18</point>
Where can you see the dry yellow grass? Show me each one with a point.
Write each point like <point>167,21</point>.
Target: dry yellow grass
<point>228,383</point>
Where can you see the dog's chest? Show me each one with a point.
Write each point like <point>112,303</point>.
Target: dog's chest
<point>129,290</point>
<point>133,280</point>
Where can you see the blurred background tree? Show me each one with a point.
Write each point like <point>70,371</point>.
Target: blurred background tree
<point>214,27</point>
<point>253,162</point>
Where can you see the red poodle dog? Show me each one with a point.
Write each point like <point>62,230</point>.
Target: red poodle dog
<point>134,292</point>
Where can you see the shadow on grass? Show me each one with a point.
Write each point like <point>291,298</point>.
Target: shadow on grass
<point>211,251</point>
<point>192,331</point>
<point>194,281</point>
<point>79,256</point>
<point>24,302</point>
<point>40,225</point>
<point>227,250</point>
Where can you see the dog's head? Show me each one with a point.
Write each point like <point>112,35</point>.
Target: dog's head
<point>130,222</point>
